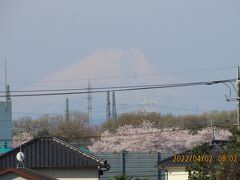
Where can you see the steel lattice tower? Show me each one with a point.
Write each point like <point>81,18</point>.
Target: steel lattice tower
<point>67,110</point>
<point>114,108</point>
<point>108,107</point>
<point>89,99</point>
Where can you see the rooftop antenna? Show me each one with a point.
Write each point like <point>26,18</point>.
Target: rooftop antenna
<point>20,157</point>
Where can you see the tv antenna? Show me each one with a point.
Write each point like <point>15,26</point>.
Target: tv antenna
<point>20,157</point>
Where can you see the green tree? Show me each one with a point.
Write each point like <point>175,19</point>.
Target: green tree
<point>231,169</point>
<point>224,168</point>
<point>201,170</point>
<point>219,118</point>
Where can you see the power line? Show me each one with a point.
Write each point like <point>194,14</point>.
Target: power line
<point>34,113</point>
<point>122,87</point>
<point>126,88</point>
<point>131,76</point>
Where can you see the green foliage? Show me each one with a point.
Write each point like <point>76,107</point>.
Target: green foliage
<point>225,169</point>
<point>231,170</point>
<point>200,170</point>
<point>200,177</point>
<point>194,122</point>
<point>133,118</point>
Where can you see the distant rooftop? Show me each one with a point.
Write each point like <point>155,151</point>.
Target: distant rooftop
<point>4,149</point>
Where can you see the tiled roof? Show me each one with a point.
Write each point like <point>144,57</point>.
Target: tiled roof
<point>51,152</point>
<point>218,146</point>
<point>168,162</point>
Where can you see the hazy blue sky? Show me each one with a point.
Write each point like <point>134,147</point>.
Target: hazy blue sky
<point>41,37</point>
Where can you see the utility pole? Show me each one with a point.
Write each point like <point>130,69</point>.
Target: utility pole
<point>67,110</point>
<point>237,89</point>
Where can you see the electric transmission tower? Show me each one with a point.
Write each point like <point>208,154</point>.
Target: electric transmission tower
<point>7,88</point>
<point>89,99</point>
<point>114,108</point>
<point>108,107</point>
<point>67,110</point>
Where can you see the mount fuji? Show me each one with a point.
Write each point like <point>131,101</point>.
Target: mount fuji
<point>104,68</point>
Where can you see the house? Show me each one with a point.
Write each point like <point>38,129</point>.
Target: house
<point>55,158</point>
<point>176,169</point>
<point>22,174</point>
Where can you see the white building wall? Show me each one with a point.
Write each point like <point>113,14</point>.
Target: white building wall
<point>178,173</point>
<point>71,174</point>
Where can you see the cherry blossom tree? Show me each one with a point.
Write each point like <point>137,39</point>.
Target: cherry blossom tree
<point>21,138</point>
<point>147,138</point>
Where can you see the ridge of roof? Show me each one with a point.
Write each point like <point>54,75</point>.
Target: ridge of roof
<point>63,143</point>
<point>18,147</point>
<point>90,155</point>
